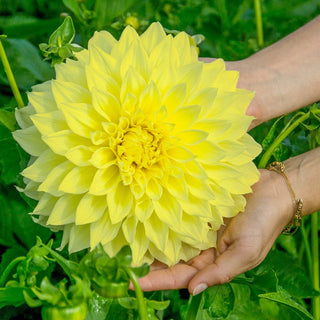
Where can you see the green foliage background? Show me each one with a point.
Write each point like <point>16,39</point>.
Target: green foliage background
<point>280,288</point>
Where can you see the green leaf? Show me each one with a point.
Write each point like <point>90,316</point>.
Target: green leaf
<point>158,305</point>
<point>12,158</point>
<point>73,5</point>
<point>124,256</point>
<point>26,63</point>
<point>10,254</point>
<point>271,135</point>
<point>141,271</point>
<point>283,297</point>
<point>107,10</point>
<point>8,119</point>
<point>12,296</point>
<point>296,281</point>
<point>16,224</point>
<point>64,34</point>
<point>128,302</point>
<point>219,300</point>
<point>98,307</point>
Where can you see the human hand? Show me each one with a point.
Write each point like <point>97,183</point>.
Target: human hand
<point>242,245</point>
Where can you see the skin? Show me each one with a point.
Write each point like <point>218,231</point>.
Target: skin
<point>285,77</point>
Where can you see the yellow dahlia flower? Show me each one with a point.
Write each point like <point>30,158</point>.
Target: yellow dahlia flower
<point>138,143</point>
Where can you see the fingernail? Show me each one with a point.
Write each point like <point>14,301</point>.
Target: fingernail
<point>199,288</point>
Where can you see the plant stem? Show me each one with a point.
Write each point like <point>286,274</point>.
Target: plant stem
<point>9,268</point>
<point>10,76</point>
<point>142,308</point>
<point>307,248</point>
<point>194,307</point>
<point>315,263</point>
<point>259,26</point>
<point>284,133</point>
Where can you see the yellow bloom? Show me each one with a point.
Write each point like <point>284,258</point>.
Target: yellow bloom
<point>138,143</point>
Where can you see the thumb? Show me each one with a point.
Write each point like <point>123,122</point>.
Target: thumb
<point>232,262</point>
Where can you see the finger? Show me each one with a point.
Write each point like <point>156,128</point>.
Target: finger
<point>176,277</point>
<point>232,262</point>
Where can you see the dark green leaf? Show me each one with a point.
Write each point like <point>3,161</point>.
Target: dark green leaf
<point>282,296</point>
<point>98,307</point>
<point>10,254</point>
<point>271,135</point>
<point>219,300</point>
<point>73,5</point>
<point>28,68</point>
<point>8,119</point>
<point>295,282</point>
<point>107,10</point>
<point>11,296</point>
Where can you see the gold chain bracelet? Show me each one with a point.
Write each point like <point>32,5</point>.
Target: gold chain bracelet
<point>294,225</point>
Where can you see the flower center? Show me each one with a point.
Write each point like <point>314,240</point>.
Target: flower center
<point>137,147</point>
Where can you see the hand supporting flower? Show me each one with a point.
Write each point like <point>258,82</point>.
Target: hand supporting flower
<point>246,239</point>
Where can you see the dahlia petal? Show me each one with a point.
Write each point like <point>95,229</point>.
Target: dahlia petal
<point>45,205</point>
<point>199,187</point>
<point>190,74</point>
<point>222,195</point>
<point>81,118</point>
<point>133,83</point>
<point>192,137</point>
<point>114,246</point>
<point>65,236</point>
<point>54,178</point>
<point>172,249</point>
<point>143,209</point>
<point>207,152</point>
<point>137,58</point>
<point>230,102</point>
<point>197,207</point>
<point>30,140</point>
<point>229,177</point>
<point>210,72</point>
<point>103,40</point>
<point>157,231</point>
<point>49,122</point>
<point>78,180</point>
<point>31,190</point>
<point>43,165</point>
<point>164,76</point>
<point>79,238</point>
<point>154,189</point>
<point>237,152</point>
<point>90,209</point>
<point>71,73</point>
<point>120,201</point>
<point>139,246</point>
<point>177,187</point>
<point>62,141</point>
<point>239,202</point>
<point>227,80</point>
<point>184,117</point>
<point>106,105</point>
<point>204,98</point>
<point>152,36</point>
<point>103,157</point>
<point>128,36</point>
<point>80,155</point>
<point>219,129</point>
<point>195,169</point>
<point>180,154</point>
<point>41,98</point>
<point>168,209</point>
<point>150,99</point>
<point>99,138</point>
<point>64,210</point>
<point>175,97</point>
<point>23,116</point>
<point>104,180</point>
<point>129,226</point>
<point>102,82</point>
<point>164,54</point>
<point>65,92</point>
<point>98,230</point>
<point>181,41</point>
